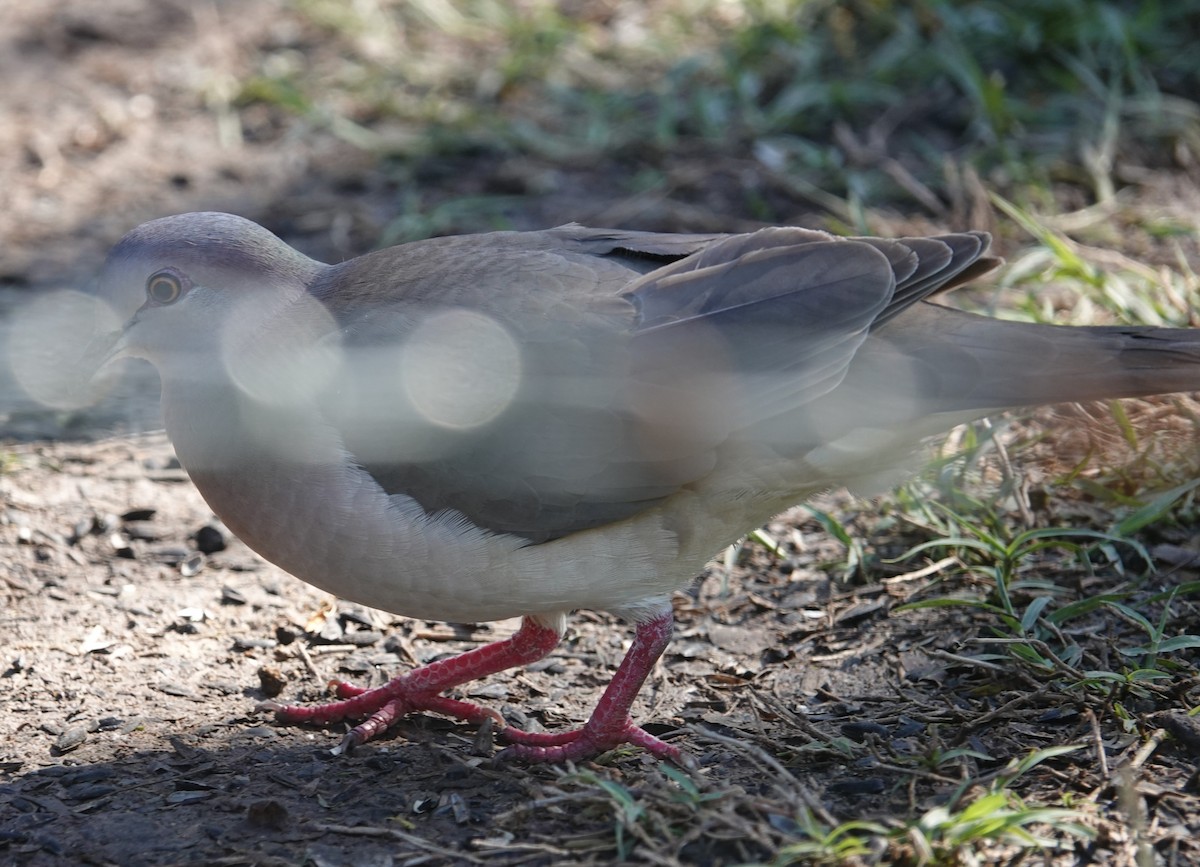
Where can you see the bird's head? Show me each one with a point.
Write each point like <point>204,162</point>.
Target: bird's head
<point>196,282</point>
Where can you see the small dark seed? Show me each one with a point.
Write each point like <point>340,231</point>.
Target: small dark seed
<point>210,539</point>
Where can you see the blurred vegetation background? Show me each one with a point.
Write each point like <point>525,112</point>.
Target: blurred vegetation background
<point>706,114</point>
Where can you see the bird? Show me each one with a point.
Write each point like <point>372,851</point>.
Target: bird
<point>525,424</point>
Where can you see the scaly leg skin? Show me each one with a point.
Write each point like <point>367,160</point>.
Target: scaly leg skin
<point>420,688</point>
<point>610,724</point>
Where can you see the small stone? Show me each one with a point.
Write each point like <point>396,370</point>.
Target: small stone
<point>271,680</point>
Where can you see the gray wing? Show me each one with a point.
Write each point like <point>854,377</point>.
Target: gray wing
<point>545,383</point>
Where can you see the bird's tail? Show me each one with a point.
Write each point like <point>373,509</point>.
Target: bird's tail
<point>956,361</point>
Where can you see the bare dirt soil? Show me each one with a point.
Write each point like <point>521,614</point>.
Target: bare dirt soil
<point>132,662</point>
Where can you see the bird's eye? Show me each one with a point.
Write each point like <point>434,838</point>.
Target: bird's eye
<point>164,287</point>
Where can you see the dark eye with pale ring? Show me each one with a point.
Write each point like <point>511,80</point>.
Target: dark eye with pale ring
<point>164,287</point>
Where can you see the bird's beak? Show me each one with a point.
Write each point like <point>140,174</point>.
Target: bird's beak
<point>102,349</point>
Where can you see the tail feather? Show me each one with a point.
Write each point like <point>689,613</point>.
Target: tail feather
<point>933,359</point>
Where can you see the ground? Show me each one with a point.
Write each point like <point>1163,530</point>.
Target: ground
<point>133,662</point>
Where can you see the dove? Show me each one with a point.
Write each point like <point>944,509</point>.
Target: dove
<point>524,424</point>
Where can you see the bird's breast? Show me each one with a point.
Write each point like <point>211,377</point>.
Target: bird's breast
<point>282,481</point>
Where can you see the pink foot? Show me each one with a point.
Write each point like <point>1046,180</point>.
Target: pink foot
<point>609,725</point>
<point>421,688</point>
<point>582,743</point>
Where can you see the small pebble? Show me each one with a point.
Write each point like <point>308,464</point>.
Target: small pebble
<point>271,680</point>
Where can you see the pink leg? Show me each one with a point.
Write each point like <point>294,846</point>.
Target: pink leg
<point>610,724</point>
<point>419,689</point>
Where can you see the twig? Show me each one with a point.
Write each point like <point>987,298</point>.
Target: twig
<point>302,652</point>
<point>1147,749</point>
<point>921,573</point>
<point>1098,742</point>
